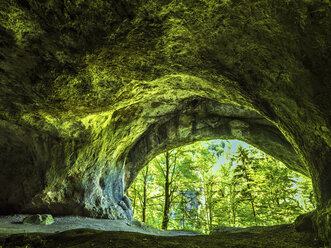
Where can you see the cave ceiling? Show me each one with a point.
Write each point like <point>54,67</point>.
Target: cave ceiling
<point>90,91</point>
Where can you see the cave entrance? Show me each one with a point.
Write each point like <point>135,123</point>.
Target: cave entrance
<point>218,183</point>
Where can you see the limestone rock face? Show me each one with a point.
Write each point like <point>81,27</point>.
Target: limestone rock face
<point>91,90</point>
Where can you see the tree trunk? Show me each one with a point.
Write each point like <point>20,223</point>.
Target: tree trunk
<point>183,209</point>
<point>165,220</point>
<point>145,175</point>
<point>234,215</point>
<point>249,189</point>
<point>211,217</point>
<point>253,209</point>
<point>134,197</point>
<point>233,205</point>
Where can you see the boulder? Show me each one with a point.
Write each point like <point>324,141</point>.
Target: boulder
<point>39,219</point>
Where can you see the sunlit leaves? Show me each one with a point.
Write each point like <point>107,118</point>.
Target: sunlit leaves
<point>215,184</point>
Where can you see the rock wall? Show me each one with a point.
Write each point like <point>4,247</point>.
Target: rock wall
<point>200,119</point>
<point>91,90</point>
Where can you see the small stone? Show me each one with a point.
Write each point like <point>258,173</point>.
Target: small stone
<point>39,219</point>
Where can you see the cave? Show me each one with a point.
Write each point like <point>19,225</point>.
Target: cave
<point>92,90</point>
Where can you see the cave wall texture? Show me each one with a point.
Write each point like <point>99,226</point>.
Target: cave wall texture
<point>91,90</point>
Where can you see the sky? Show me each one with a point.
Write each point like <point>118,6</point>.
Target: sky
<point>234,147</point>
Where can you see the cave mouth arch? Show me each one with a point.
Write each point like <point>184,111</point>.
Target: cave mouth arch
<point>222,172</point>
<point>203,119</point>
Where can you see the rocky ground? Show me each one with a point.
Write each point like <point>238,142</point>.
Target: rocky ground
<point>14,225</point>
<point>88,232</point>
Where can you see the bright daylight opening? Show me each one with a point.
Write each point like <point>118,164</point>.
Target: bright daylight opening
<point>218,183</point>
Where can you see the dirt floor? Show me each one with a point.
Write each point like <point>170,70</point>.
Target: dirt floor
<point>86,232</point>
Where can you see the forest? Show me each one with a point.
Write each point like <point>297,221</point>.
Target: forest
<point>218,183</point>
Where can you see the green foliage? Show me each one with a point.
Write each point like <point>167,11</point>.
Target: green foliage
<point>219,184</point>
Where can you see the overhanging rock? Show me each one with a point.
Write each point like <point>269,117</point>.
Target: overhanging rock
<point>85,84</point>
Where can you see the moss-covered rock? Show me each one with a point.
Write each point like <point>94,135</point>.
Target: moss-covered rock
<point>39,219</point>
<point>92,90</point>
<point>322,220</point>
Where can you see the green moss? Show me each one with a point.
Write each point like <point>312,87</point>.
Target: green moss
<point>89,72</point>
<point>22,24</point>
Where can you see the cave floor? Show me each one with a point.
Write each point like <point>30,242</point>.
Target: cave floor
<point>121,234</point>
<point>13,224</point>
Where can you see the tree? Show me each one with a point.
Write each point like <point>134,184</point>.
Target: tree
<point>171,170</point>
<point>144,199</point>
<point>168,180</point>
<point>139,190</point>
<point>203,185</point>
<point>243,176</point>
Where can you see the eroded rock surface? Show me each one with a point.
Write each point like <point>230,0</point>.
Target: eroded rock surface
<point>91,90</point>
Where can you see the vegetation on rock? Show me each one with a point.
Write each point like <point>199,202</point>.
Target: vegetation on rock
<point>91,90</point>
